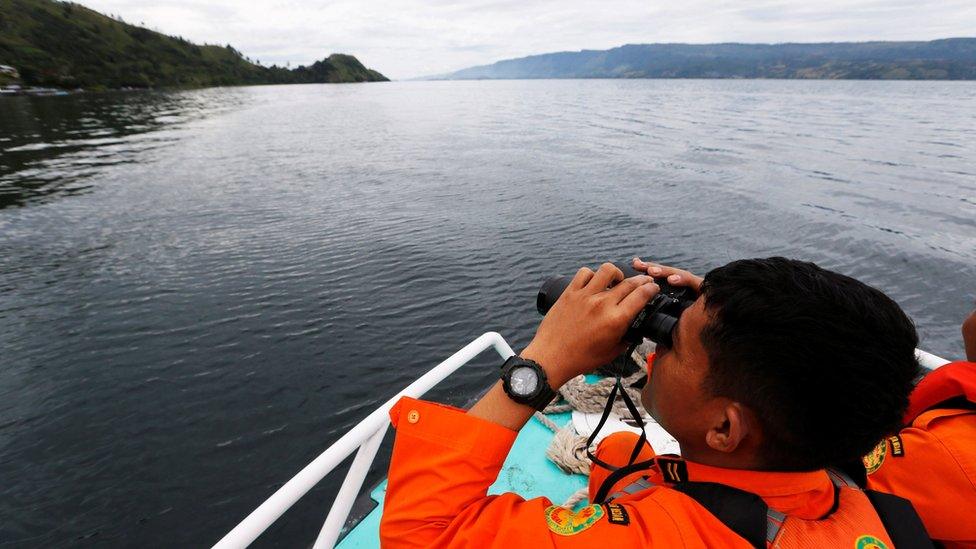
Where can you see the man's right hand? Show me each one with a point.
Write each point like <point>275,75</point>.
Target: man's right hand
<point>585,327</point>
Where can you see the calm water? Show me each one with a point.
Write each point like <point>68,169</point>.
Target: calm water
<point>200,291</point>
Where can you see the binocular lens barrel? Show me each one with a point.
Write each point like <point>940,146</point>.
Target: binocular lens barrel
<point>550,292</point>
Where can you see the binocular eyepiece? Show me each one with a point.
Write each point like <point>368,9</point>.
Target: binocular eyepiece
<point>657,319</point>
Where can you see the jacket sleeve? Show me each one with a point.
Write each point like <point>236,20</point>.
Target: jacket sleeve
<point>443,463</point>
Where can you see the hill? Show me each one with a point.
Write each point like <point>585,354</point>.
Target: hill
<point>948,59</point>
<point>67,45</point>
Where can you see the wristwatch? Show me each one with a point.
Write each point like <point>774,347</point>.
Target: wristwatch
<point>525,382</point>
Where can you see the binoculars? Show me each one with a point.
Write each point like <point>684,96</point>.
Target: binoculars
<point>657,319</point>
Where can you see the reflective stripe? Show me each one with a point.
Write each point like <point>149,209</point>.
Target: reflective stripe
<point>775,519</point>
<point>840,479</point>
<point>638,485</point>
<point>632,488</point>
<point>774,523</point>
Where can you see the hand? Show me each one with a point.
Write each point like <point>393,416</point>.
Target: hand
<point>585,327</point>
<point>675,277</point>
<point>969,336</point>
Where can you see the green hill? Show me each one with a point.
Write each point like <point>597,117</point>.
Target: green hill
<point>947,59</point>
<point>67,45</point>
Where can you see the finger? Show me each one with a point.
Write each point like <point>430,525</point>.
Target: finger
<point>582,277</point>
<point>638,298</point>
<point>622,290</point>
<point>642,265</point>
<point>607,274</point>
<point>660,271</point>
<point>684,278</point>
<point>675,277</point>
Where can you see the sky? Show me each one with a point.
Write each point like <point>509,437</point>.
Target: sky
<point>412,38</point>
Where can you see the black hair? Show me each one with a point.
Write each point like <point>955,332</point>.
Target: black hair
<point>824,361</point>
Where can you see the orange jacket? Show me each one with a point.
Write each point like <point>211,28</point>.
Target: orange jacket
<point>932,461</point>
<point>444,461</point>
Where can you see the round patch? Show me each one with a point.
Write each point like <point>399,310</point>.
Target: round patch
<point>869,542</point>
<point>567,522</point>
<point>873,461</point>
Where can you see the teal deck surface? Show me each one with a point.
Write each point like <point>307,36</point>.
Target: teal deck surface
<point>527,472</point>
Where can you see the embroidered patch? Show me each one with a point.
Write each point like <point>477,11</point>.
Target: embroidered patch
<point>616,514</point>
<point>897,448</point>
<point>869,542</point>
<point>567,522</point>
<point>873,461</point>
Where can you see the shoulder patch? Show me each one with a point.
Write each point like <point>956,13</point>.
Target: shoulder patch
<point>674,470</point>
<point>897,448</point>
<point>616,514</point>
<point>567,522</point>
<point>869,542</point>
<point>873,461</point>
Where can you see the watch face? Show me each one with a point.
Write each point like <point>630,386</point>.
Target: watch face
<point>524,381</point>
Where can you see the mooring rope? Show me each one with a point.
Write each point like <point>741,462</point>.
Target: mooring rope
<point>568,448</point>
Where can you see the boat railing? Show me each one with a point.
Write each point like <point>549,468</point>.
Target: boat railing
<point>928,360</point>
<point>364,439</point>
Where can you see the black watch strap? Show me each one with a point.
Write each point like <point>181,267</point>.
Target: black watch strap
<point>544,397</point>
<point>544,394</point>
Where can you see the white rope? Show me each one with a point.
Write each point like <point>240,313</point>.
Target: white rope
<point>568,451</point>
<point>580,495</point>
<point>568,448</point>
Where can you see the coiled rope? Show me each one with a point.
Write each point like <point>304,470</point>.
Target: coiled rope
<point>568,448</point>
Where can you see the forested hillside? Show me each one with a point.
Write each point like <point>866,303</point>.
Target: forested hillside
<point>949,59</point>
<point>67,45</point>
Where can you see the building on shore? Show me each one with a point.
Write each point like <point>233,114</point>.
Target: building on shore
<point>9,71</point>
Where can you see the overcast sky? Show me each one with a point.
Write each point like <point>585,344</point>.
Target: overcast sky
<point>409,38</point>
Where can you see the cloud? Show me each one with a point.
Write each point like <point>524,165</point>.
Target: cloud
<point>410,38</point>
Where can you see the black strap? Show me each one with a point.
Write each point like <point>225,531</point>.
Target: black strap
<point>750,517</point>
<point>745,513</point>
<point>900,519</point>
<point>617,473</point>
<point>742,512</point>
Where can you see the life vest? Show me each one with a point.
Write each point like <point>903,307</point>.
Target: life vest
<point>862,519</point>
<point>952,382</point>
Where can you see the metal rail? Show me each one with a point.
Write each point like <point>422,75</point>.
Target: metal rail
<point>364,437</point>
<point>928,360</point>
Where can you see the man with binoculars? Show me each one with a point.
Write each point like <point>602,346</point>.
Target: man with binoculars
<point>776,372</point>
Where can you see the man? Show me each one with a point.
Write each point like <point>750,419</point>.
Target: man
<point>779,369</point>
<point>932,461</point>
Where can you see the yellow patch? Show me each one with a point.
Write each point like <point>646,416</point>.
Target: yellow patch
<point>566,522</point>
<point>873,461</point>
<point>869,542</point>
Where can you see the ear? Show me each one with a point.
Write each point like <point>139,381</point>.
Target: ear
<point>732,426</point>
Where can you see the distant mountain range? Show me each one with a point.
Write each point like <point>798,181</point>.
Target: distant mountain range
<point>67,45</point>
<point>948,59</point>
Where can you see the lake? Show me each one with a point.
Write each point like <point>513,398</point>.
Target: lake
<point>201,290</point>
